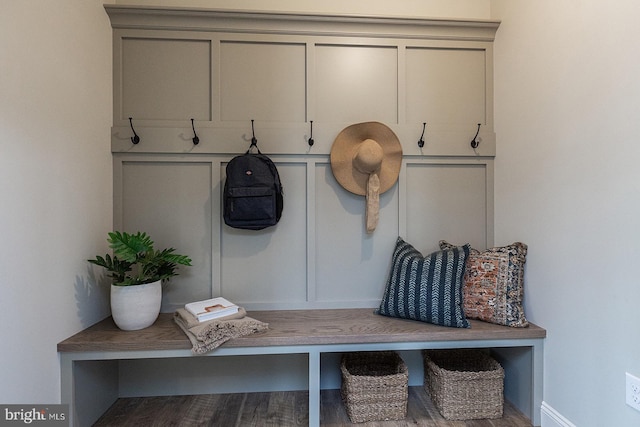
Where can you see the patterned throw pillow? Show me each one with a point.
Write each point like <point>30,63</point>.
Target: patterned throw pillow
<point>494,284</point>
<point>427,288</point>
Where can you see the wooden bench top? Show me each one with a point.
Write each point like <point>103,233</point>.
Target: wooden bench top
<point>295,327</point>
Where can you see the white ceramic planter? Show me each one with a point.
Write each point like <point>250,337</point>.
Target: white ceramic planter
<point>136,307</point>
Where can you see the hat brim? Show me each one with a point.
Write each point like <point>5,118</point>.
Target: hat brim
<point>345,146</point>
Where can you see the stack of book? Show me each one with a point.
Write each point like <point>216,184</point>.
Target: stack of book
<point>210,309</point>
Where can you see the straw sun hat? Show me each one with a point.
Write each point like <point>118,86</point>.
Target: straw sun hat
<point>365,160</point>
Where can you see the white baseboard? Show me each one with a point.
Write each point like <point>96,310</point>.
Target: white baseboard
<point>552,418</point>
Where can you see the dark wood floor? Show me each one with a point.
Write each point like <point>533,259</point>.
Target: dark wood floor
<point>276,409</point>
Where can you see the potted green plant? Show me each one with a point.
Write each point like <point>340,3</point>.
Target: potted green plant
<point>137,271</point>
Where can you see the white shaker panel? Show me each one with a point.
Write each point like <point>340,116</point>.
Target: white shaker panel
<point>356,83</point>
<point>165,79</point>
<point>262,81</point>
<point>171,201</point>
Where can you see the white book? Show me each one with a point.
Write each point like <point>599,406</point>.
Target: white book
<point>213,308</point>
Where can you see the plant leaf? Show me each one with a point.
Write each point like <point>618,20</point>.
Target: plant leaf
<point>135,262</point>
<point>130,247</point>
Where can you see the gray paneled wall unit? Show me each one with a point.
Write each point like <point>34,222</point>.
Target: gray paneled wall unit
<point>223,69</point>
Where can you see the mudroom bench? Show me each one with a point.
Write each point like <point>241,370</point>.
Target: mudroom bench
<point>90,360</point>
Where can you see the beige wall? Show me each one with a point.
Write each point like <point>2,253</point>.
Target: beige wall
<point>567,182</point>
<point>55,170</point>
<point>422,8</point>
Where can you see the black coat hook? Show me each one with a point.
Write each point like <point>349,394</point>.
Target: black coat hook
<point>195,138</point>
<point>135,138</point>
<point>474,141</point>
<point>254,140</point>
<point>311,141</point>
<point>421,140</point>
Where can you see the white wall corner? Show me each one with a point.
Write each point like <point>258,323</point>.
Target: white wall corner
<point>552,418</point>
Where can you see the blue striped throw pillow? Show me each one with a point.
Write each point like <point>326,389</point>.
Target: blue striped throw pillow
<point>426,288</point>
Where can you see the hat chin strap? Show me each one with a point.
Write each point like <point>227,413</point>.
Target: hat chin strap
<point>367,160</point>
<point>373,202</point>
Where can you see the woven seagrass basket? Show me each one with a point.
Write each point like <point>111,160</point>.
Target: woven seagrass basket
<point>464,384</point>
<point>374,386</point>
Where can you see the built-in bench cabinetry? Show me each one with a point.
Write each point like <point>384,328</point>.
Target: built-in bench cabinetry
<point>283,70</point>
<point>96,363</point>
<point>317,275</point>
